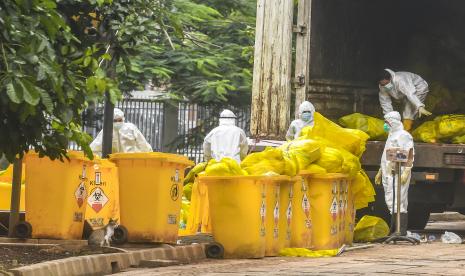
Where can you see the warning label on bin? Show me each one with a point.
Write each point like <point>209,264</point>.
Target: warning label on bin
<point>333,208</point>
<point>306,205</point>
<point>97,199</point>
<point>80,194</point>
<point>289,213</point>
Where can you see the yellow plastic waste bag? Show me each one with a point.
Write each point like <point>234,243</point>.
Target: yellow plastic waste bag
<point>187,191</point>
<point>306,151</point>
<point>370,228</point>
<point>200,167</point>
<point>315,169</point>
<point>449,126</point>
<point>331,159</point>
<point>351,164</point>
<point>270,160</point>
<point>304,252</point>
<point>363,190</point>
<point>370,125</point>
<point>459,140</point>
<point>226,167</point>
<point>426,132</point>
<point>352,140</point>
<point>185,208</point>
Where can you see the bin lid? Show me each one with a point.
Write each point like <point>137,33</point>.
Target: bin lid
<point>169,157</point>
<point>72,154</point>
<point>254,177</point>
<point>306,173</point>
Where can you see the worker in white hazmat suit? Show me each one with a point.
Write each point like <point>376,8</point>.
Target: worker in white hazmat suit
<point>226,140</point>
<point>126,137</point>
<point>398,138</point>
<point>306,112</point>
<point>407,87</point>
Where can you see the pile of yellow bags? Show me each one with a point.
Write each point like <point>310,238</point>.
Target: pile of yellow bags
<point>226,167</point>
<point>445,128</point>
<point>370,125</point>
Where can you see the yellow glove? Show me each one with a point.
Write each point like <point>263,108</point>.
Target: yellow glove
<point>405,175</point>
<point>378,177</point>
<point>423,111</point>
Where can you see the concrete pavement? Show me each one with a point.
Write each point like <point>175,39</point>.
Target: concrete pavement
<point>425,259</point>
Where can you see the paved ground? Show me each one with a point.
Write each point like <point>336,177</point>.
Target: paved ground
<point>425,259</point>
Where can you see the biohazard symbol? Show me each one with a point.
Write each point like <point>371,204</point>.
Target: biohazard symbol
<point>97,199</point>
<point>174,192</point>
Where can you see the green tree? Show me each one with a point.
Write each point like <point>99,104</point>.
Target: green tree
<point>43,75</point>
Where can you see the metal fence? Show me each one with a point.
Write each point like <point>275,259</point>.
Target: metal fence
<point>193,122</point>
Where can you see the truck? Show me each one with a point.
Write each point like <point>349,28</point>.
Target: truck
<point>340,46</point>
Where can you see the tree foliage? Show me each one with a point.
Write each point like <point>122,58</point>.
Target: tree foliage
<point>57,57</point>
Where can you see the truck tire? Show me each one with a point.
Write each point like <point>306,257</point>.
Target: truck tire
<point>418,216</point>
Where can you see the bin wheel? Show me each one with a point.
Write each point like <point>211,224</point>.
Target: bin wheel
<point>121,235</point>
<point>214,250</point>
<point>23,230</point>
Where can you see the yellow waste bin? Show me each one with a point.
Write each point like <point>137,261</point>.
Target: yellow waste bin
<point>5,197</point>
<point>301,221</point>
<point>327,209</point>
<point>238,209</point>
<point>199,218</point>
<point>103,199</point>
<point>55,196</point>
<point>151,194</point>
<point>7,174</point>
<point>285,213</point>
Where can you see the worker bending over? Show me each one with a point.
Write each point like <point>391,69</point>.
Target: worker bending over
<point>407,87</point>
<point>226,140</point>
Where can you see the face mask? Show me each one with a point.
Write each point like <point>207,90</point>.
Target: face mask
<point>389,86</point>
<point>307,116</point>
<point>386,127</point>
<point>117,125</point>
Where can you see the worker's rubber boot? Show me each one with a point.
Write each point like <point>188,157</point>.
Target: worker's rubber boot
<point>403,224</point>
<point>407,124</point>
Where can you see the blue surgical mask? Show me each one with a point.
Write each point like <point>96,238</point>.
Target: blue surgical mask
<point>389,86</point>
<point>386,127</point>
<point>307,116</point>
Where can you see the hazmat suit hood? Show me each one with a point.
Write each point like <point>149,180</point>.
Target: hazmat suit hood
<point>227,118</point>
<point>306,106</point>
<point>118,114</point>
<point>394,120</point>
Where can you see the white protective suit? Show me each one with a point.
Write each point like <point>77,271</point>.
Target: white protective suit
<point>226,140</point>
<point>297,125</point>
<point>406,86</point>
<point>126,137</point>
<point>398,138</point>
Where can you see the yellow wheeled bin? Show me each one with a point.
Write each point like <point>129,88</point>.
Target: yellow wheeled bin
<point>5,197</point>
<point>150,194</point>
<point>285,213</point>
<point>103,199</point>
<point>238,210</point>
<point>326,201</point>
<point>199,220</point>
<point>55,196</point>
<point>301,221</point>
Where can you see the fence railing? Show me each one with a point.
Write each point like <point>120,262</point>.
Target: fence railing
<point>156,120</point>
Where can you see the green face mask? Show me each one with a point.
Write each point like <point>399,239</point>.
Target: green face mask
<point>386,127</point>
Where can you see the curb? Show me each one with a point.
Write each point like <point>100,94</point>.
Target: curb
<point>111,263</point>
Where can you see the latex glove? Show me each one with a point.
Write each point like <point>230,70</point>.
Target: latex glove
<point>378,177</point>
<point>405,174</point>
<point>423,111</point>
